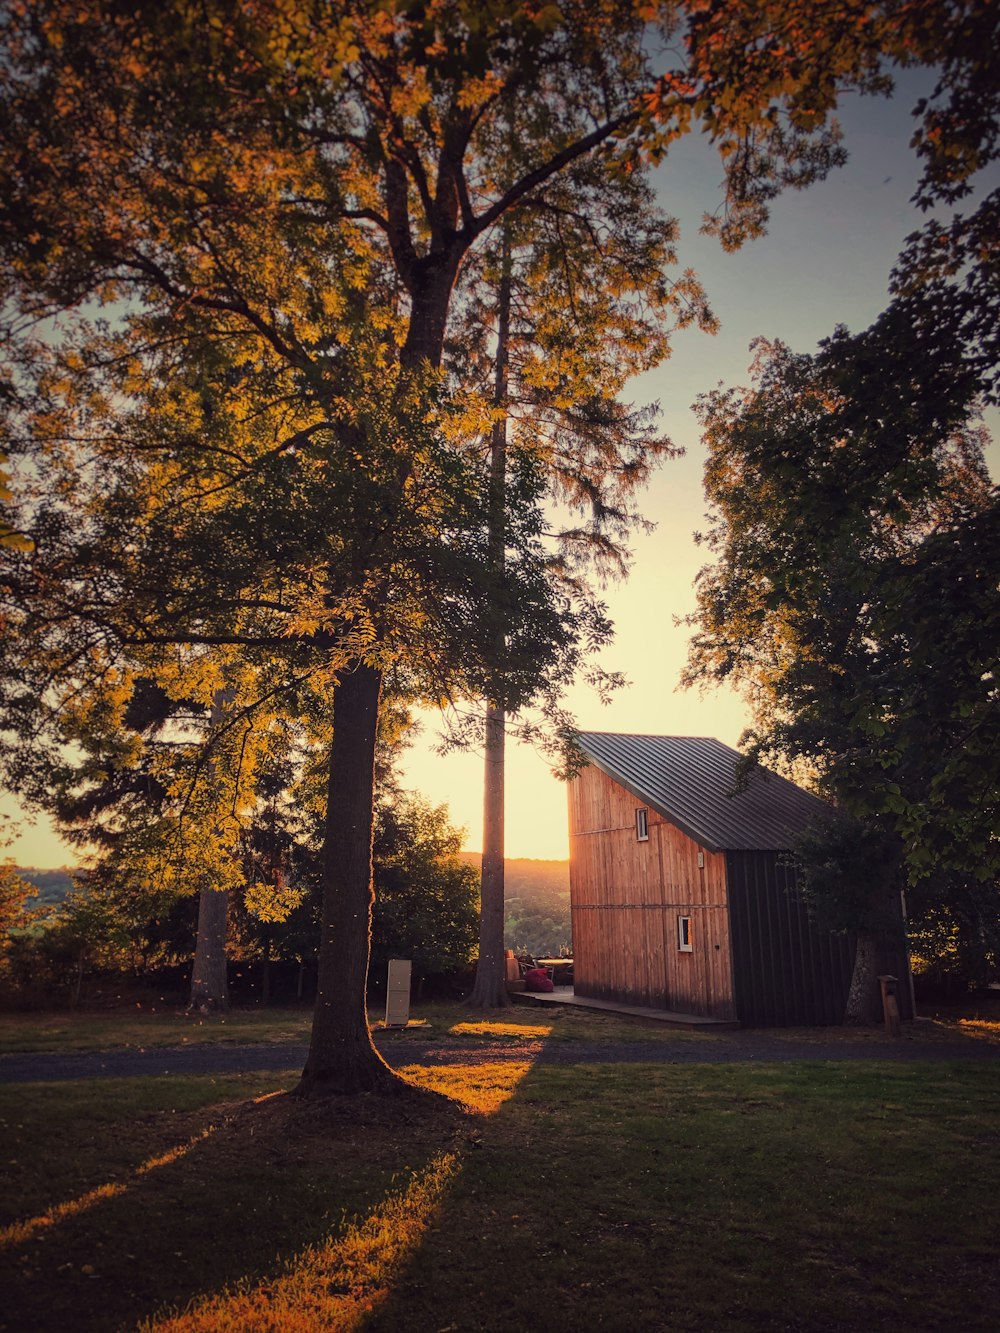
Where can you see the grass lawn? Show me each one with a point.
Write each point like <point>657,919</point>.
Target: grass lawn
<point>145,1028</point>
<point>631,1197</point>
<point>142,1028</point>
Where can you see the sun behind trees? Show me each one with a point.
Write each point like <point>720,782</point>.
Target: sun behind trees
<point>233,241</point>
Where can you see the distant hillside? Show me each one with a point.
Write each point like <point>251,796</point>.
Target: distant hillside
<point>536,894</point>
<point>526,874</point>
<point>536,916</point>
<point>52,885</point>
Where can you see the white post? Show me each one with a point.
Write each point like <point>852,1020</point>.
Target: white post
<point>397,993</point>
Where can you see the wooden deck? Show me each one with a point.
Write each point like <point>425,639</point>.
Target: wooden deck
<point>667,1018</point>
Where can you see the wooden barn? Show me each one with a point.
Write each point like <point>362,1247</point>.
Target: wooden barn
<point>680,898</point>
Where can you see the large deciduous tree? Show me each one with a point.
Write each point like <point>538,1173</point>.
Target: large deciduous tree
<point>855,600</point>
<point>856,529</point>
<point>274,203</point>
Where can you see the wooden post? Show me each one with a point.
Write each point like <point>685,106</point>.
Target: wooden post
<point>890,1005</point>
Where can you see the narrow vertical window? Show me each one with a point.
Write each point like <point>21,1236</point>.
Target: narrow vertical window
<point>642,825</point>
<point>684,934</point>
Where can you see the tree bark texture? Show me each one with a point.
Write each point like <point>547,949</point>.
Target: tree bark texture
<point>863,1000</point>
<point>430,281</point>
<point>490,988</point>
<point>342,1058</point>
<point>209,982</point>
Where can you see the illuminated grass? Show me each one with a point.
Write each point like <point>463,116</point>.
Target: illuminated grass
<point>140,1029</point>
<point>980,1027</point>
<point>19,1232</point>
<point>122,1208</point>
<point>519,1022</point>
<point>332,1286</point>
<point>811,1196</point>
<point>805,1196</point>
<point>485,1028</point>
<point>60,1140</point>
<point>482,1088</point>
<point>976,1016</point>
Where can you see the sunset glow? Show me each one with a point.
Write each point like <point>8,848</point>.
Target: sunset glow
<point>826,259</point>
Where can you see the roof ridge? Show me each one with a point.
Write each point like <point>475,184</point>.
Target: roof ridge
<point>657,736</point>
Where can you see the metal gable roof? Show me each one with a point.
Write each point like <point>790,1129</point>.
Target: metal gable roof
<point>690,779</point>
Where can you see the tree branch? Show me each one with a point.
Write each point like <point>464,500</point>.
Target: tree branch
<point>550,168</point>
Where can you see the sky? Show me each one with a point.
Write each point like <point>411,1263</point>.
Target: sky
<point>825,261</point>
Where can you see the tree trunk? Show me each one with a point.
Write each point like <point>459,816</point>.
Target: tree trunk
<point>209,982</point>
<point>431,296</point>
<point>78,980</point>
<point>342,1058</point>
<point>265,970</point>
<point>490,988</point>
<point>863,1004</point>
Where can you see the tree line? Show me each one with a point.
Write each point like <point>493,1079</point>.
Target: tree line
<point>108,931</point>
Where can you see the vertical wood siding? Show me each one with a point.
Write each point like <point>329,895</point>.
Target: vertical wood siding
<point>626,897</point>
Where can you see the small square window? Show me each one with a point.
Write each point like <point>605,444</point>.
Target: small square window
<point>642,825</point>
<point>684,943</point>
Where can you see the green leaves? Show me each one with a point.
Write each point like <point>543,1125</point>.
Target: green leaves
<point>426,897</point>
<point>856,599</point>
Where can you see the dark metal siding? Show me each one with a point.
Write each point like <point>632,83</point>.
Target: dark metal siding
<point>787,971</point>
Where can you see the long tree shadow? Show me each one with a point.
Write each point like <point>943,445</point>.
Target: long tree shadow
<point>642,1195</point>
<point>236,1194</point>
<point>340,1281</point>
<point>267,1213</point>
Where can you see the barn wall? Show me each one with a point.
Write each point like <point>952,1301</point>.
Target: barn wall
<point>626,897</point>
<point>786,971</point>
